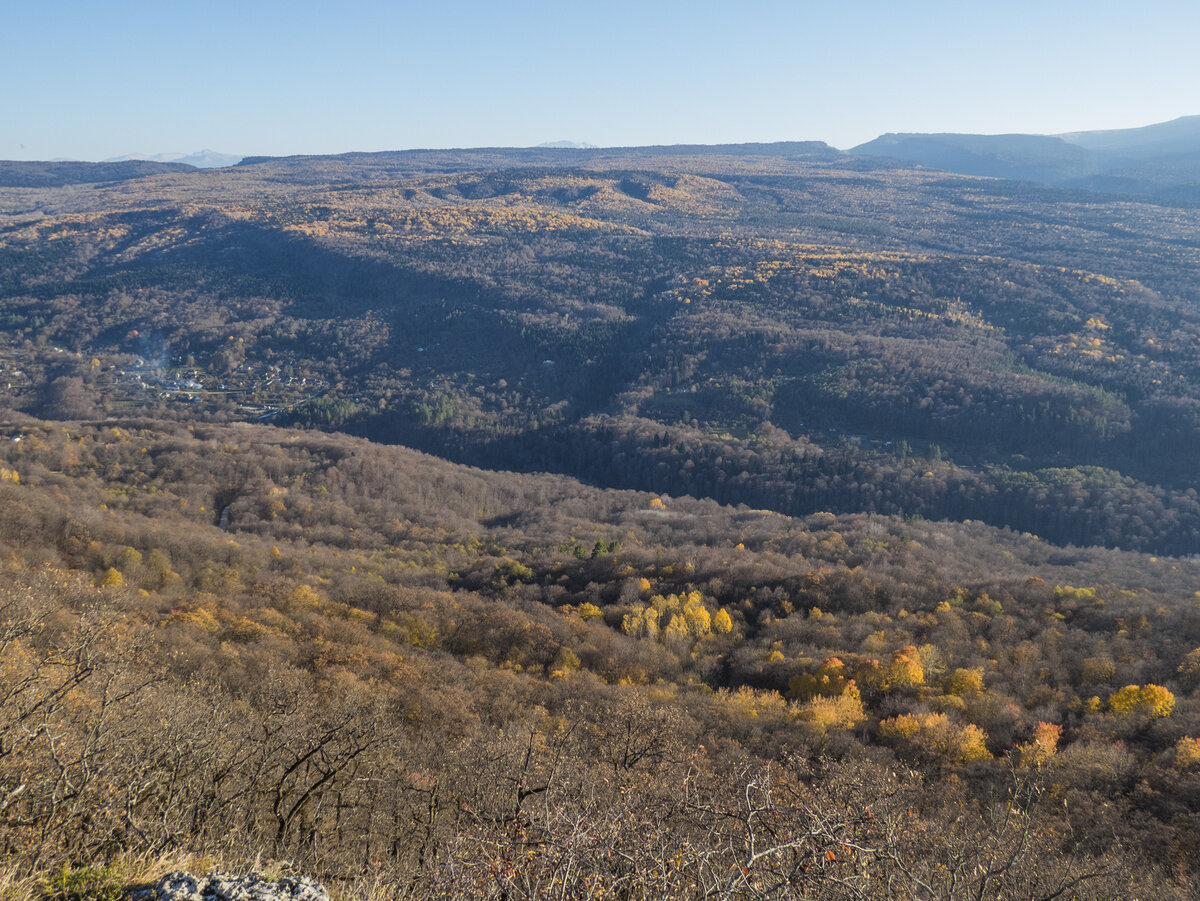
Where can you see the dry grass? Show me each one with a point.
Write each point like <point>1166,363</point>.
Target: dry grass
<point>14,887</point>
<point>120,874</point>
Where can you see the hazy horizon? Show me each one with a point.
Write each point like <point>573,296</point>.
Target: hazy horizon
<point>178,155</point>
<point>275,79</point>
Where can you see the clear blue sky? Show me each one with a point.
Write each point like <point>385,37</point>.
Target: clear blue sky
<point>87,79</point>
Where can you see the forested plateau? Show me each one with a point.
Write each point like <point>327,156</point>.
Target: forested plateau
<point>733,522</point>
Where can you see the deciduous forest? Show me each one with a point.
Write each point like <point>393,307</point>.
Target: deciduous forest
<point>734,522</point>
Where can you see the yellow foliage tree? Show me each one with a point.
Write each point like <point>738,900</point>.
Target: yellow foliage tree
<point>304,596</point>
<point>589,611</point>
<point>699,620</point>
<point>905,671</point>
<point>634,622</point>
<point>1037,752</point>
<point>112,578</point>
<point>1187,753</point>
<point>965,682</point>
<point>1189,668</point>
<point>565,662</point>
<point>932,736</point>
<point>196,616</point>
<point>722,622</point>
<point>842,712</point>
<point>676,631</point>
<point>753,703</point>
<point>674,619</point>
<point>829,680</point>
<point>1152,700</point>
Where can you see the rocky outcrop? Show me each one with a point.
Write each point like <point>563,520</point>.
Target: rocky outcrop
<point>181,886</point>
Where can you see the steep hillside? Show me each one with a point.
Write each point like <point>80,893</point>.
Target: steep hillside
<point>243,642</point>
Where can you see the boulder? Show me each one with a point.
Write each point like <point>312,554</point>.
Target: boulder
<point>181,886</point>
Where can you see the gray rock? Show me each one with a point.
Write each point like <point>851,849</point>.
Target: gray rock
<point>181,886</point>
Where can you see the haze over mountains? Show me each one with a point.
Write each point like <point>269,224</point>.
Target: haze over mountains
<point>201,159</point>
<point>1162,160</point>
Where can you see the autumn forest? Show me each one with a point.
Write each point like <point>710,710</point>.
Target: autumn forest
<point>732,522</point>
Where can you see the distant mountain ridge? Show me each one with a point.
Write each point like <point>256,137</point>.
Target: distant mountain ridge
<point>1161,160</point>
<point>404,163</point>
<point>1030,157</point>
<point>35,174</point>
<point>201,159</point>
<point>1180,135</point>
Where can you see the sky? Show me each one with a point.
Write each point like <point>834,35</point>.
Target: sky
<point>90,79</point>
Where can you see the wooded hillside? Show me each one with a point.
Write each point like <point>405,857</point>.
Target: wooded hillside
<point>834,532</point>
<point>245,641</point>
<point>783,331</point>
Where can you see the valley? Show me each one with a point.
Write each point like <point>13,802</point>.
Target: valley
<point>739,521</point>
